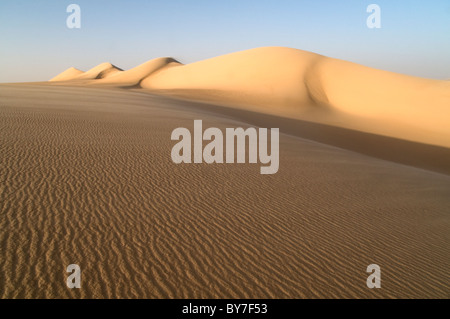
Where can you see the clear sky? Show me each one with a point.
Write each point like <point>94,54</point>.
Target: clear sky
<point>36,44</point>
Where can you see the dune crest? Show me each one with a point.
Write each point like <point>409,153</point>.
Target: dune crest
<point>135,75</point>
<point>68,74</point>
<point>100,71</point>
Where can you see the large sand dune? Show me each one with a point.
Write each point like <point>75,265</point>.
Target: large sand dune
<point>303,85</point>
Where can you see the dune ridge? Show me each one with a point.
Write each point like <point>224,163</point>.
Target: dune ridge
<point>101,71</point>
<point>135,75</point>
<point>294,83</point>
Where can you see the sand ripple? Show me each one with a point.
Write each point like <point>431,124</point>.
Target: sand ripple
<point>92,183</point>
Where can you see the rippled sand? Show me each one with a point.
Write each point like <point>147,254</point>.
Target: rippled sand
<point>86,177</point>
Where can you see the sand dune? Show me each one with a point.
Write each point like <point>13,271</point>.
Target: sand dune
<point>293,83</point>
<point>136,75</point>
<point>304,85</point>
<point>101,71</point>
<point>68,74</point>
<point>270,77</point>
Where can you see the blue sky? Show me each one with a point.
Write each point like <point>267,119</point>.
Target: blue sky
<point>35,43</point>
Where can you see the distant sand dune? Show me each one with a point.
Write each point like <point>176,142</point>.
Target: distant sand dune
<point>136,75</point>
<point>68,74</point>
<point>101,71</point>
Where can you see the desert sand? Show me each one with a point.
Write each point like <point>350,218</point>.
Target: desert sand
<point>364,178</point>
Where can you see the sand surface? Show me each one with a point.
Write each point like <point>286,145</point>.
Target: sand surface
<point>86,177</point>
